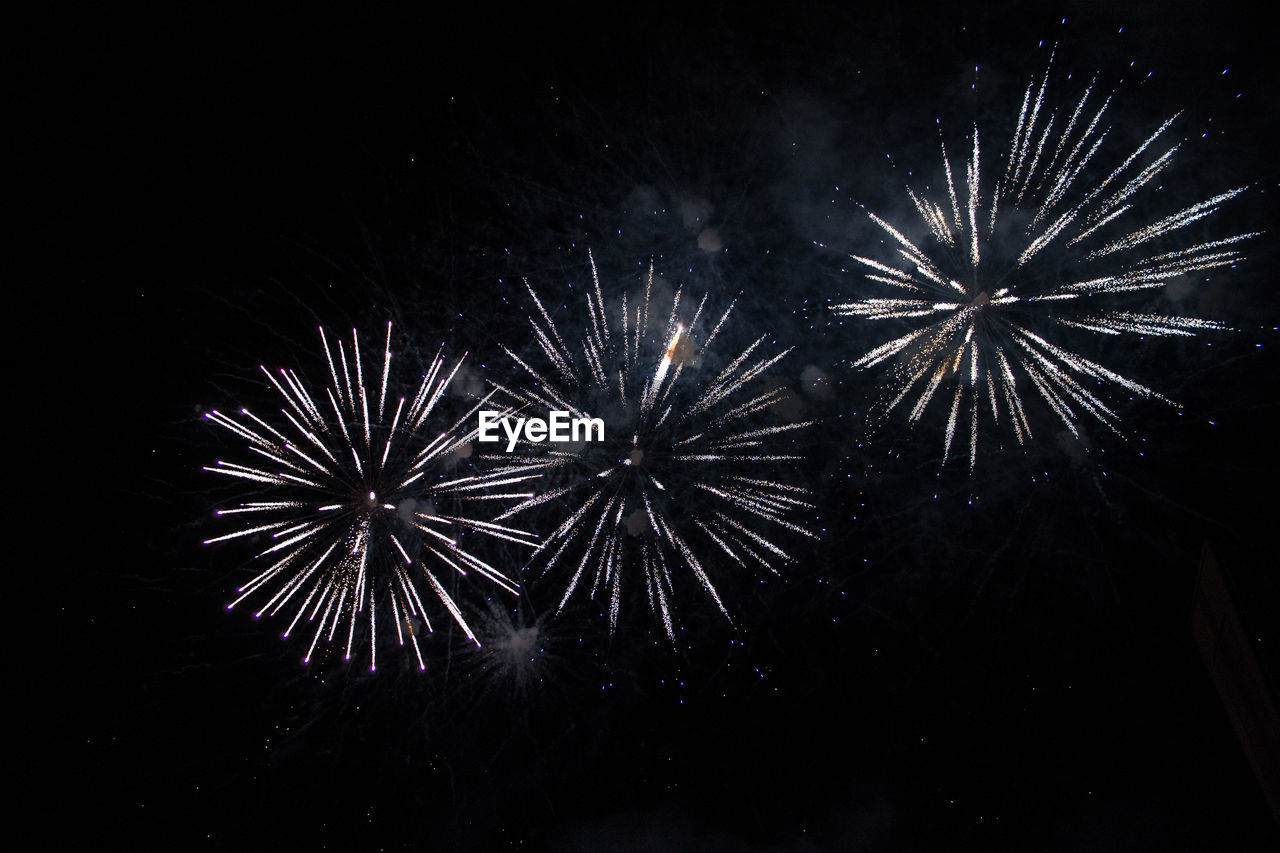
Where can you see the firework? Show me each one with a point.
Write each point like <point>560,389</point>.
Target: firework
<point>1004,277</point>
<point>521,652</point>
<point>685,480</point>
<point>365,502</point>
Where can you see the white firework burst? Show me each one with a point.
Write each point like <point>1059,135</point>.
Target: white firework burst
<point>364,502</point>
<point>685,482</point>
<point>1001,279</point>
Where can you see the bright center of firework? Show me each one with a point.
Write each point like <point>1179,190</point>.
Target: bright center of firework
<point>637,458</point>
<point>642,462</point>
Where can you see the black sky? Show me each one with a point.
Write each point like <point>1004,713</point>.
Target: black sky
<point>996,662</point>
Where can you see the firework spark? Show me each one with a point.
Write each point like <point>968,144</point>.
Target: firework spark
<point>685,477</point>
<point>363,508</point>
<point>999,278</point>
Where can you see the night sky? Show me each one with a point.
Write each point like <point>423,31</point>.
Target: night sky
<point>995,660</point>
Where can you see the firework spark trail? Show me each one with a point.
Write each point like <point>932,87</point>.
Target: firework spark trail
<point>351,527</point>
<point>984,286</point>
<point>684,480</point>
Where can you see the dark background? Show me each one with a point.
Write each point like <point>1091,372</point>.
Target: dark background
<point>996,661</point>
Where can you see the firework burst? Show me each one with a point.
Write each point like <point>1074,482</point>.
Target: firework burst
<point>685,480</point>
<point>1000,280</point>
<point>365,503</point>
